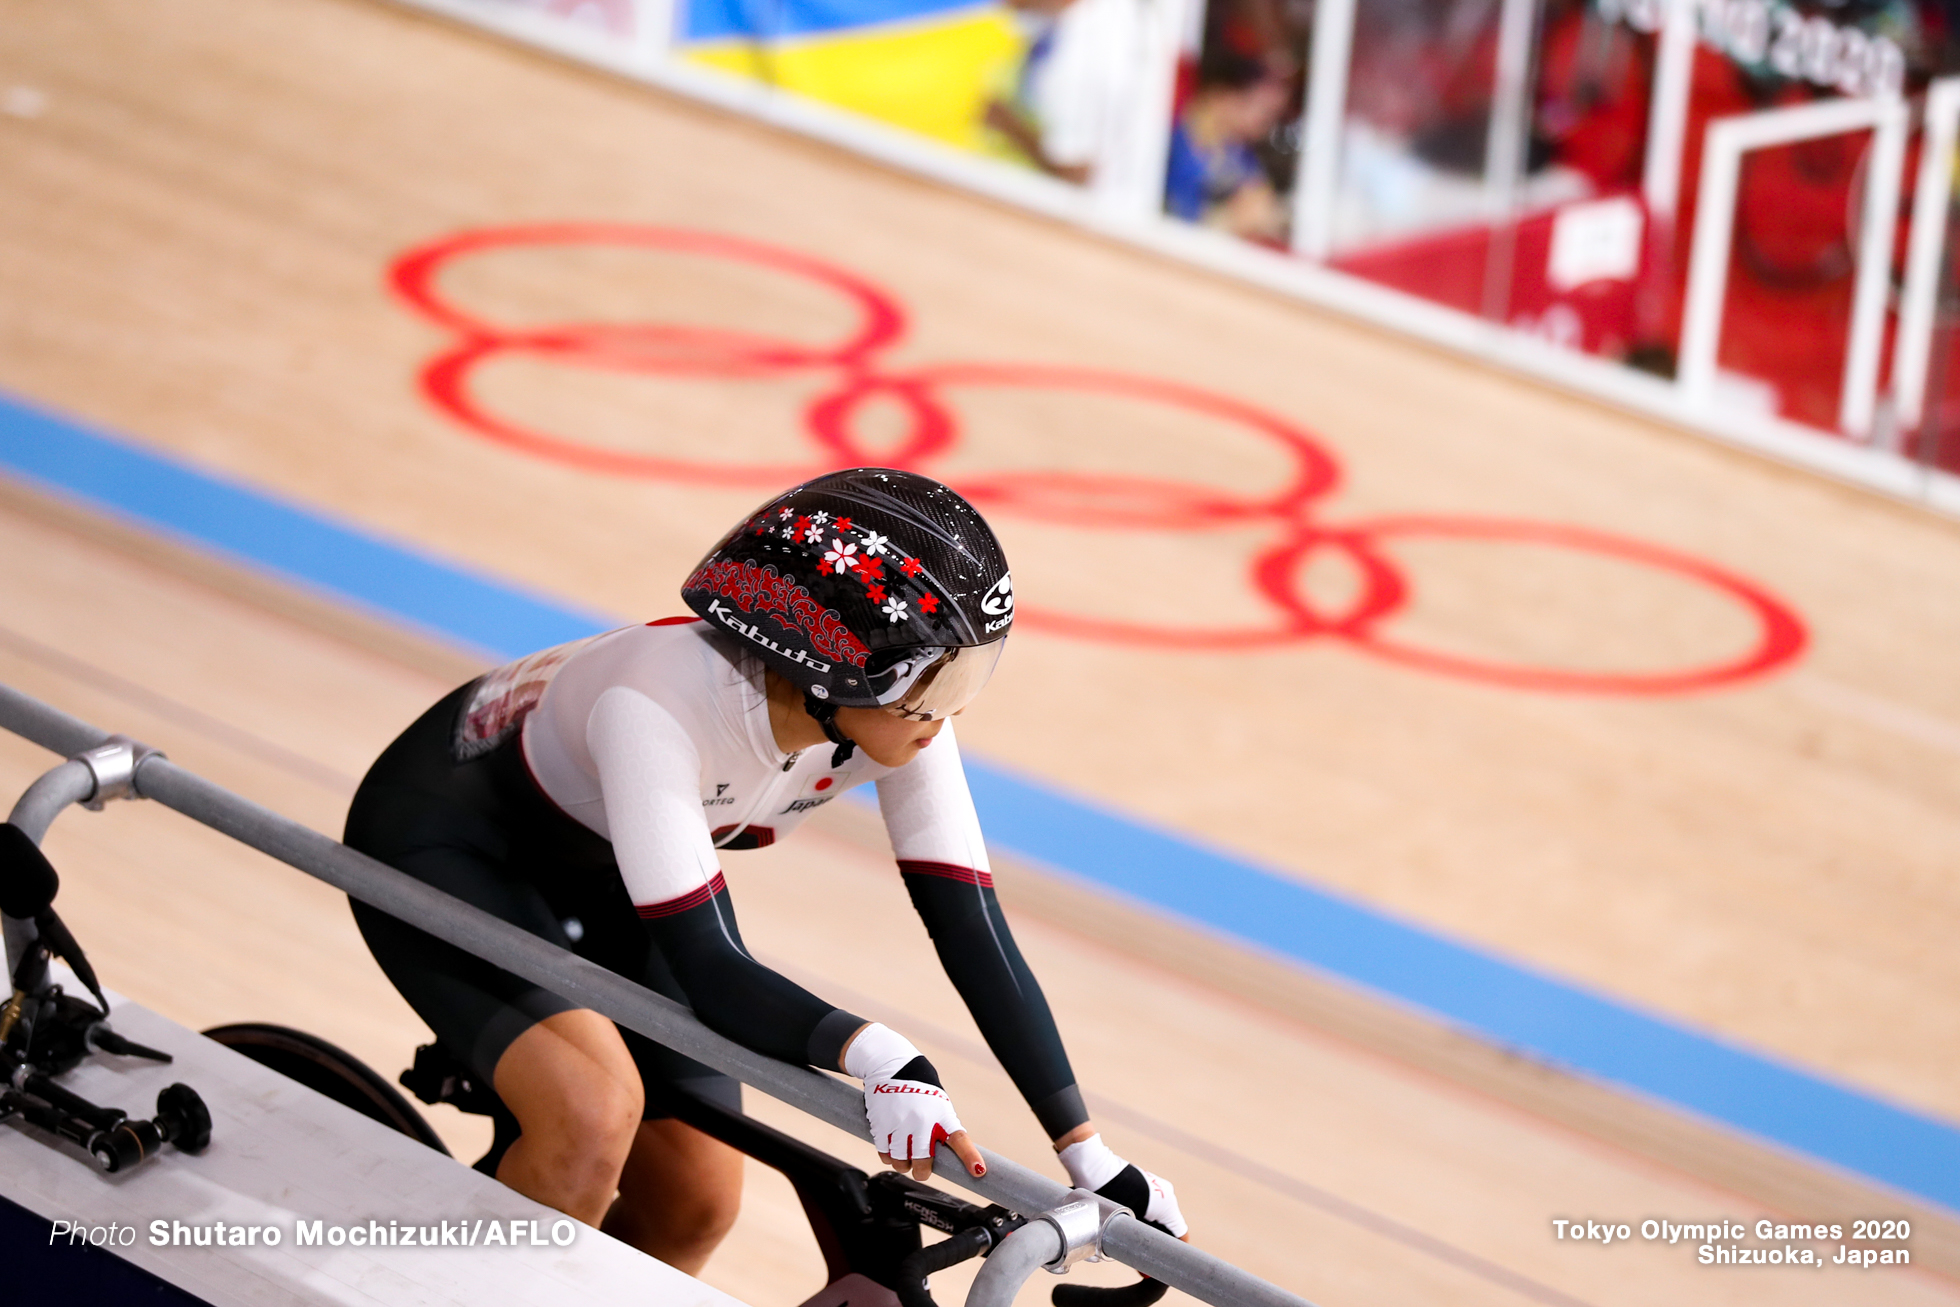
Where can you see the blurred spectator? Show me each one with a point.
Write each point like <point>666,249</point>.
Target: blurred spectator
<point>1273,31</point>
<point>1278,34</point>
<point>1214,176</point>
<point>1013,112</point>
<point>1086,92</point>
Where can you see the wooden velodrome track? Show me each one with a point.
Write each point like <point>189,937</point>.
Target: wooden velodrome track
<point>194,239</point>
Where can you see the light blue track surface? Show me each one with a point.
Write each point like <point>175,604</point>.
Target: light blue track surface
<point>1498,1000</point>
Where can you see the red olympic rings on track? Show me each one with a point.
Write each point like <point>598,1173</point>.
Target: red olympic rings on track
<point>1075,499</point>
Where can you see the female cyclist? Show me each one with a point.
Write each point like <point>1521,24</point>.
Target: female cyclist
<point>584,793</point>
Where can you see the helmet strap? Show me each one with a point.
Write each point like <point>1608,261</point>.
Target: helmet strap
<point>825,714</point>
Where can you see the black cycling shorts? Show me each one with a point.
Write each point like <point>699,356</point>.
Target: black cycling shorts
<point>483,831</point>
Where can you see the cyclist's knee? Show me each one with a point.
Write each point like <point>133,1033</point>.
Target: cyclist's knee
<point>704,1214</point>
<point>695,1229</point>
<point>581,1095</point>
<point>602,1112</point>
<point>679,1195</point>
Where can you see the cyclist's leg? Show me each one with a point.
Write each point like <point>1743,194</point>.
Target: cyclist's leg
<point>563,1071</point>
<point>679,1194</point>
<point>680,1191</point>
<point>480,831</point>
<point>576,1094</point>
<point>468,828</point>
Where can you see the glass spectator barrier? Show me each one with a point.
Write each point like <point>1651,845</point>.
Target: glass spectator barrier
<point>1539,163</point>
<point>1801,288</point>
<point>1534,166</point>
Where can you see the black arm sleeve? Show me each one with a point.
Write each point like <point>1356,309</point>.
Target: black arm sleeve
<point>736,996</point>
<point>963,916</point>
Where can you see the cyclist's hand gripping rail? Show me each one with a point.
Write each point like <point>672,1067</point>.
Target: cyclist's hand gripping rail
<point>1123,1238</point>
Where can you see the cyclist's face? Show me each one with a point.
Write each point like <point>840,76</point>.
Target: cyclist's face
<point>885,736</point>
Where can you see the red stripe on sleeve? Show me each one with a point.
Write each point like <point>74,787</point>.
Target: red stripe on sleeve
<point>946,871</point>
<point>694,898</point>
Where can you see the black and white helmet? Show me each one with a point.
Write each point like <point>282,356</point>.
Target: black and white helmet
<point>868,587</point>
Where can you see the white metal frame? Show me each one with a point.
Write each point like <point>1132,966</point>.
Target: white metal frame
<point>1727,140</point>
<point>1925,251</point>
<point>1318,188</point>
<point>1667,116</point>
<point>1510,105</point>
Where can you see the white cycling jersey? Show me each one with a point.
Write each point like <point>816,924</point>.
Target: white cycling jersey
<point>657,738</point>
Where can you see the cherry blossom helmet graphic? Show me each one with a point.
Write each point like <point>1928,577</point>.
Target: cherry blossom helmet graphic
<point>866,588</point>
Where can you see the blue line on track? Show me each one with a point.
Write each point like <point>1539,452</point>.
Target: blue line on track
<point>1534,1014</point>
<point>301,546</point>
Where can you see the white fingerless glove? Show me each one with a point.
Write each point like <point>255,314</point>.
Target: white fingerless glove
<point>908,1111</point>
<point>1092,1166</point>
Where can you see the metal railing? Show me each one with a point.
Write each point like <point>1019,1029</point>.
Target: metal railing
<point>153,776</point>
